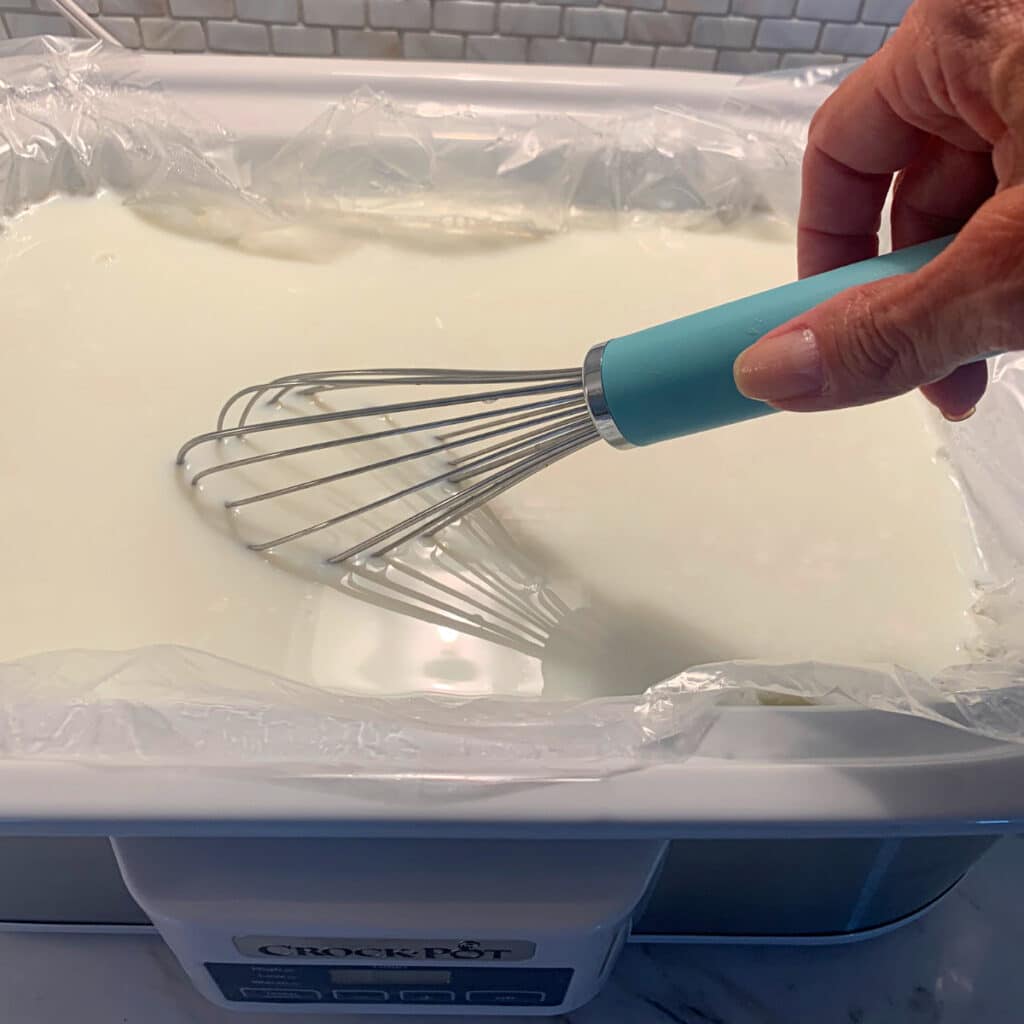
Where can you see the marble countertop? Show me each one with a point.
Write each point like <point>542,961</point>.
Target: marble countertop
<point>959,964</point>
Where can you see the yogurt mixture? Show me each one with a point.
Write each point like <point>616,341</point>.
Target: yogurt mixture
<point>832,537</point>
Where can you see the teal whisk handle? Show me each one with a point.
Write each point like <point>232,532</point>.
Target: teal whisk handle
<point>677,379</point>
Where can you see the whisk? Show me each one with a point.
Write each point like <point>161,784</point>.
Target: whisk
<point>482,585</point>
<point>425,461</point>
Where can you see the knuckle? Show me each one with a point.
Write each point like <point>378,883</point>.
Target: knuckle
<point>875,347</point>
<point>972,21</point>
<point>997,234</point>
<point>958,46</point>
<point>819,125</point>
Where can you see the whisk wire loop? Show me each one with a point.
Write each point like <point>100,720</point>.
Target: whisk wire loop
<point>426,469</point>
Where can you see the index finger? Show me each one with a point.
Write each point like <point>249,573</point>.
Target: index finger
<point>856,142</point>
<point>876,123</point>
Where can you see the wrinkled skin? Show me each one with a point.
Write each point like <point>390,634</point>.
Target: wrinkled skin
<point>941,106</point>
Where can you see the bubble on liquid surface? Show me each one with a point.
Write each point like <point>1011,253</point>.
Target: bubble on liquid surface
<point>375,564</point>
<point>425,545</point>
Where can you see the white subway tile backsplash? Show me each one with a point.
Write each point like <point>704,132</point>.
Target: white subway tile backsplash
<point>787,34</point>
<point>852,40</point>
<point>764,8</point>
<point>887,12</point>
<point>829,10</point>
<point>145,8</point>
<point>340,13</point>
<point>301,41</point>
<point>502,49</point>
<point>687,58</point>
<point>637,5</point>
<point>698,6</point>
<point>623,55</point>
<point>746,62</point>
<point>529,20</point>
<point>735,36</point>
<point>659,27</point>
<point>559,51</point>
<point>172,34</point>
<point>49,7</point>
<point>124,30</point>
<point>810,60</point>
<point>234,37</point>
<point>276,11</point>
<point>432,46</point>
<point>411,14</point>
<point>368,44</point>
<point>465,16</point>
<point>202,8</point>
<point>604,24</point>
<point>29,24</point>
<point>724,33</point>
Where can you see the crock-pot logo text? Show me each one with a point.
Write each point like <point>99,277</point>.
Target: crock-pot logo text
<point>465,950</point>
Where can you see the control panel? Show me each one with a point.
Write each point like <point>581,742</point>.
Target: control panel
<point>396,986</point>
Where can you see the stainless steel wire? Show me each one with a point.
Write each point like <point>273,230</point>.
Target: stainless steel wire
<point>494,594</point>
<point>81,19</point>
<point>479,433</point>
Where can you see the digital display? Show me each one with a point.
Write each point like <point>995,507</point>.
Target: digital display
<point>364,977</point>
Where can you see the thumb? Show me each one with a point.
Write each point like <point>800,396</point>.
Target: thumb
<point>929,329</point>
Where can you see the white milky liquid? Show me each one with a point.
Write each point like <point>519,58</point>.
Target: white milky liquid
<point>834,537</point>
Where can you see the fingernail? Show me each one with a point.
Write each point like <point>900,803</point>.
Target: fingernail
<point>952,418</point>
<point>781,366</point>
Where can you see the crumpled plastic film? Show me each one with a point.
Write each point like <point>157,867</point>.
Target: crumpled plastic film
<point>454,170</point>
<point>172,705</point>
<point>78,118</point>
<point>984,694</point>
<point>772,112</point>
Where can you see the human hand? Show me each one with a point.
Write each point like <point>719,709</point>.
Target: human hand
<point>941,105</point>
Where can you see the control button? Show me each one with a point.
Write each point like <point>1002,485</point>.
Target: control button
<point>427,995</point>
<point>281,995</point>
<point>359,995</point>
<point>497,997</point>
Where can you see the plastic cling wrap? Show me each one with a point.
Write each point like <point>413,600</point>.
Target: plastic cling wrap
<point>76,119</point>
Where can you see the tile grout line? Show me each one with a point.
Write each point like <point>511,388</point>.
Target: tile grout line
<point>599,18</point>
